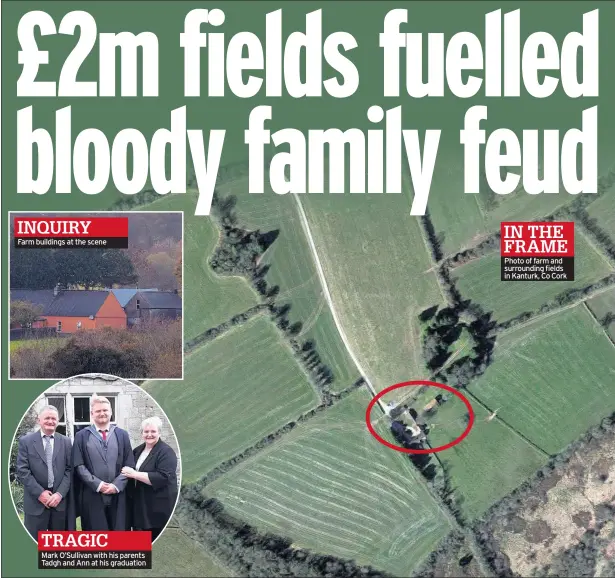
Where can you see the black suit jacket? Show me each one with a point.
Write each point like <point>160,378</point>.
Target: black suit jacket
<point>32,470</point>
<point>153,505</point>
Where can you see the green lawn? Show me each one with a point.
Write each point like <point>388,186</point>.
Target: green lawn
<point>209,299</point>
<point>552,378</point>
<point>378,271</point>
<point>333,488</point>
<point>489,463</point>
<point>236,390</point>
<point>47,344</point>
<point>293,270</point>
<point>601,305</point>
<point>479,280</point>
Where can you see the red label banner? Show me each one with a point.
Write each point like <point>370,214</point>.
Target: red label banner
<point>70,226</point>
<point>537,239</point>
<point>50,541</point>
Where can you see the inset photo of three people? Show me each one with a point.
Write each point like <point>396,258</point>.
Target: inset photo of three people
<point>95,452</point>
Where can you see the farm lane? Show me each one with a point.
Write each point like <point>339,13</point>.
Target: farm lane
<point>323,281</point>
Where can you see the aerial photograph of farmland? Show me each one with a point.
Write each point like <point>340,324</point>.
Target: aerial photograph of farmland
<point>303,309</point>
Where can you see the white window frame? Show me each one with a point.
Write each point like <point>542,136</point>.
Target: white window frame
<point>69,409</point>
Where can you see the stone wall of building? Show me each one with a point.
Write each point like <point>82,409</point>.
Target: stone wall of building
<point>133,404</point>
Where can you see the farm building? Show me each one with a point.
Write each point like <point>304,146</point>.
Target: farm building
<point>124,295</point>
<point>69,311</point>
<point>150,305</point>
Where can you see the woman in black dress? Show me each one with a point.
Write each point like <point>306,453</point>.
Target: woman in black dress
<point>153,492</point>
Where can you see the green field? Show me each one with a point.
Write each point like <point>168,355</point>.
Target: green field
<point>236,390</point>
<point>334,489</point>
<point>463,220</point>
<point>176,554</point>
<point>602,304</point>
<point>209,299</point>
<point>479,280</point>
<point>603,210</point>
<point>293,270</point>
<point>552,378</point>
<point>47,344</point>
<point>489,463</point>
<point>379,273</point>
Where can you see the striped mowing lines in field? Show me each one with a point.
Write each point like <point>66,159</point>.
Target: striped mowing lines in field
<point>236,390</point>
<point>552,378</point>
<point>379,274</point>
<point>209,299</point>
<point>479,280</point>
<point>292,269</point>
<point>332,488</point>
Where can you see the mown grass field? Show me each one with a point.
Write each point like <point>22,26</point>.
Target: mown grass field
<point>333,488</point>
<point>176,554</point>
<point>379,274</point>
<point>236,390</point>
<point>602,304</point>
<point>479,280</point>
<point>293,270</point>
<point>489,463</point>
<point>208,299</point>
<point>552,378</point>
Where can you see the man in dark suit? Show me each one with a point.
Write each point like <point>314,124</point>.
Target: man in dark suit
<point>44,470</point>
<point>100,452</point>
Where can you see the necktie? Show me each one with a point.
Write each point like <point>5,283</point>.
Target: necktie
<point>103,432</point>
<point>49,459</point>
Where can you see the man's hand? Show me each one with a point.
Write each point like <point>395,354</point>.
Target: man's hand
<point>54,500</point>
<point>109,489</point>
<point>44,498</point>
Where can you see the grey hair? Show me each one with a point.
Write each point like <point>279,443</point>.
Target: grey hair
<point>49,407</point>
<point>154,420</point>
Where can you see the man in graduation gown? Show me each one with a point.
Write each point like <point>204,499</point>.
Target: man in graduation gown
<point>100,451</point>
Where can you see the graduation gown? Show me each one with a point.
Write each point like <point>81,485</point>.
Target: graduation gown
<point>87,502</point>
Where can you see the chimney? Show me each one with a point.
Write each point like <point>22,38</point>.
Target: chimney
<point>56,290</point>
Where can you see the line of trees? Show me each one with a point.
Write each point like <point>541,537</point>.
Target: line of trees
<point>87,268</point>
<point>597,233</point>
<point>560,300</point>
<point>452,557</point>
<point>248,552</point>
<point>235,321</point>
<point>486,246</point>
<point>239,252</point>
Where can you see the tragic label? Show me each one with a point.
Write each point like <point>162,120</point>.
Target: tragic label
<point>94,550</point>
<point>537,251</point>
